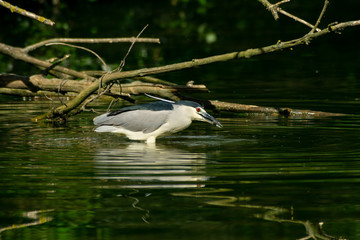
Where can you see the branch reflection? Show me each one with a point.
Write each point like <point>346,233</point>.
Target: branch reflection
<point>35,216</point>
<point>270,213</point>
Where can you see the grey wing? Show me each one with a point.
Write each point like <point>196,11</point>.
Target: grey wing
<point>137,120</point>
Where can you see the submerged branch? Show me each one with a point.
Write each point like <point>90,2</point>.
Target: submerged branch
<point>254,109</point>
<point>234,107</point>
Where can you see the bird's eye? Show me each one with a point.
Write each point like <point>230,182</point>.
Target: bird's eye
<point>198,109</point>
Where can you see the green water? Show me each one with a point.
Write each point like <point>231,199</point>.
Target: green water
<point>256,178</point>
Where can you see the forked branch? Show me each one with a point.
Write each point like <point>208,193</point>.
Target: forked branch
<point>275,9</point>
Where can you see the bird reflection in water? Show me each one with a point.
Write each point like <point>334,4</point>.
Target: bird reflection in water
<point>142,165</point>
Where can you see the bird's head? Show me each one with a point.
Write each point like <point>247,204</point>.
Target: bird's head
<point>196,112</point>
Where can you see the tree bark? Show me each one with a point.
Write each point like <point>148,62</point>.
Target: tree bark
<point>40,83</point>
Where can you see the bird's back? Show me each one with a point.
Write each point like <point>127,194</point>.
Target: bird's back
<point>144,118</point>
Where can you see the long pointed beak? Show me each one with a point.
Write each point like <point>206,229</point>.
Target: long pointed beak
<point>210,119</point>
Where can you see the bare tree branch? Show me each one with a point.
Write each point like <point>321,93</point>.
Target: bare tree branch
<point>122,63</point>
<point>22,53</point>
<point>320,16</point>
<point>275,9</point>
<point>90,40</point>
<point>25,92</point>
<point>18,53</point>
<point>119,69</point>
<point>26,13</point>
<point>86,49</point>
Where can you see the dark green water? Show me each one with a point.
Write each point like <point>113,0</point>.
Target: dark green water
<point>256,178</point>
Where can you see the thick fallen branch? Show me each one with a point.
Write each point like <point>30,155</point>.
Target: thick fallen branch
<point>252,109</point>
<point>216,105</point>
<point>26,93</point>
<point>38,82</point>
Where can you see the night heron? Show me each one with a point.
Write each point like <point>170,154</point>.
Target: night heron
<point>151,120</point>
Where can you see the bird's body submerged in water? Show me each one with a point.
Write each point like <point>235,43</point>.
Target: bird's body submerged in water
<point>150,120</point>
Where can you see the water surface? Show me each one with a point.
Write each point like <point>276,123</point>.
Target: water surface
<point>256,178</point>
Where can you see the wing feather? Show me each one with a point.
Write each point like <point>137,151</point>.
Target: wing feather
<point>137,118</point>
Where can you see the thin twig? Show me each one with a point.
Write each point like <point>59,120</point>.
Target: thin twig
<point>83,48</point>
<point>274,9</point>
<point>111,103</point>
<point>50,99</point>
<point>90,40</point>
<point>118,69</point>
<point>279,3</point>
<point>89,100</point>
<point>55,63</point>
<point>58,92</point>
<point>270,7</point>
<point>122,63</point>
<point>320,16</point>
<point>297,19</point>
<point>26,13</point>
